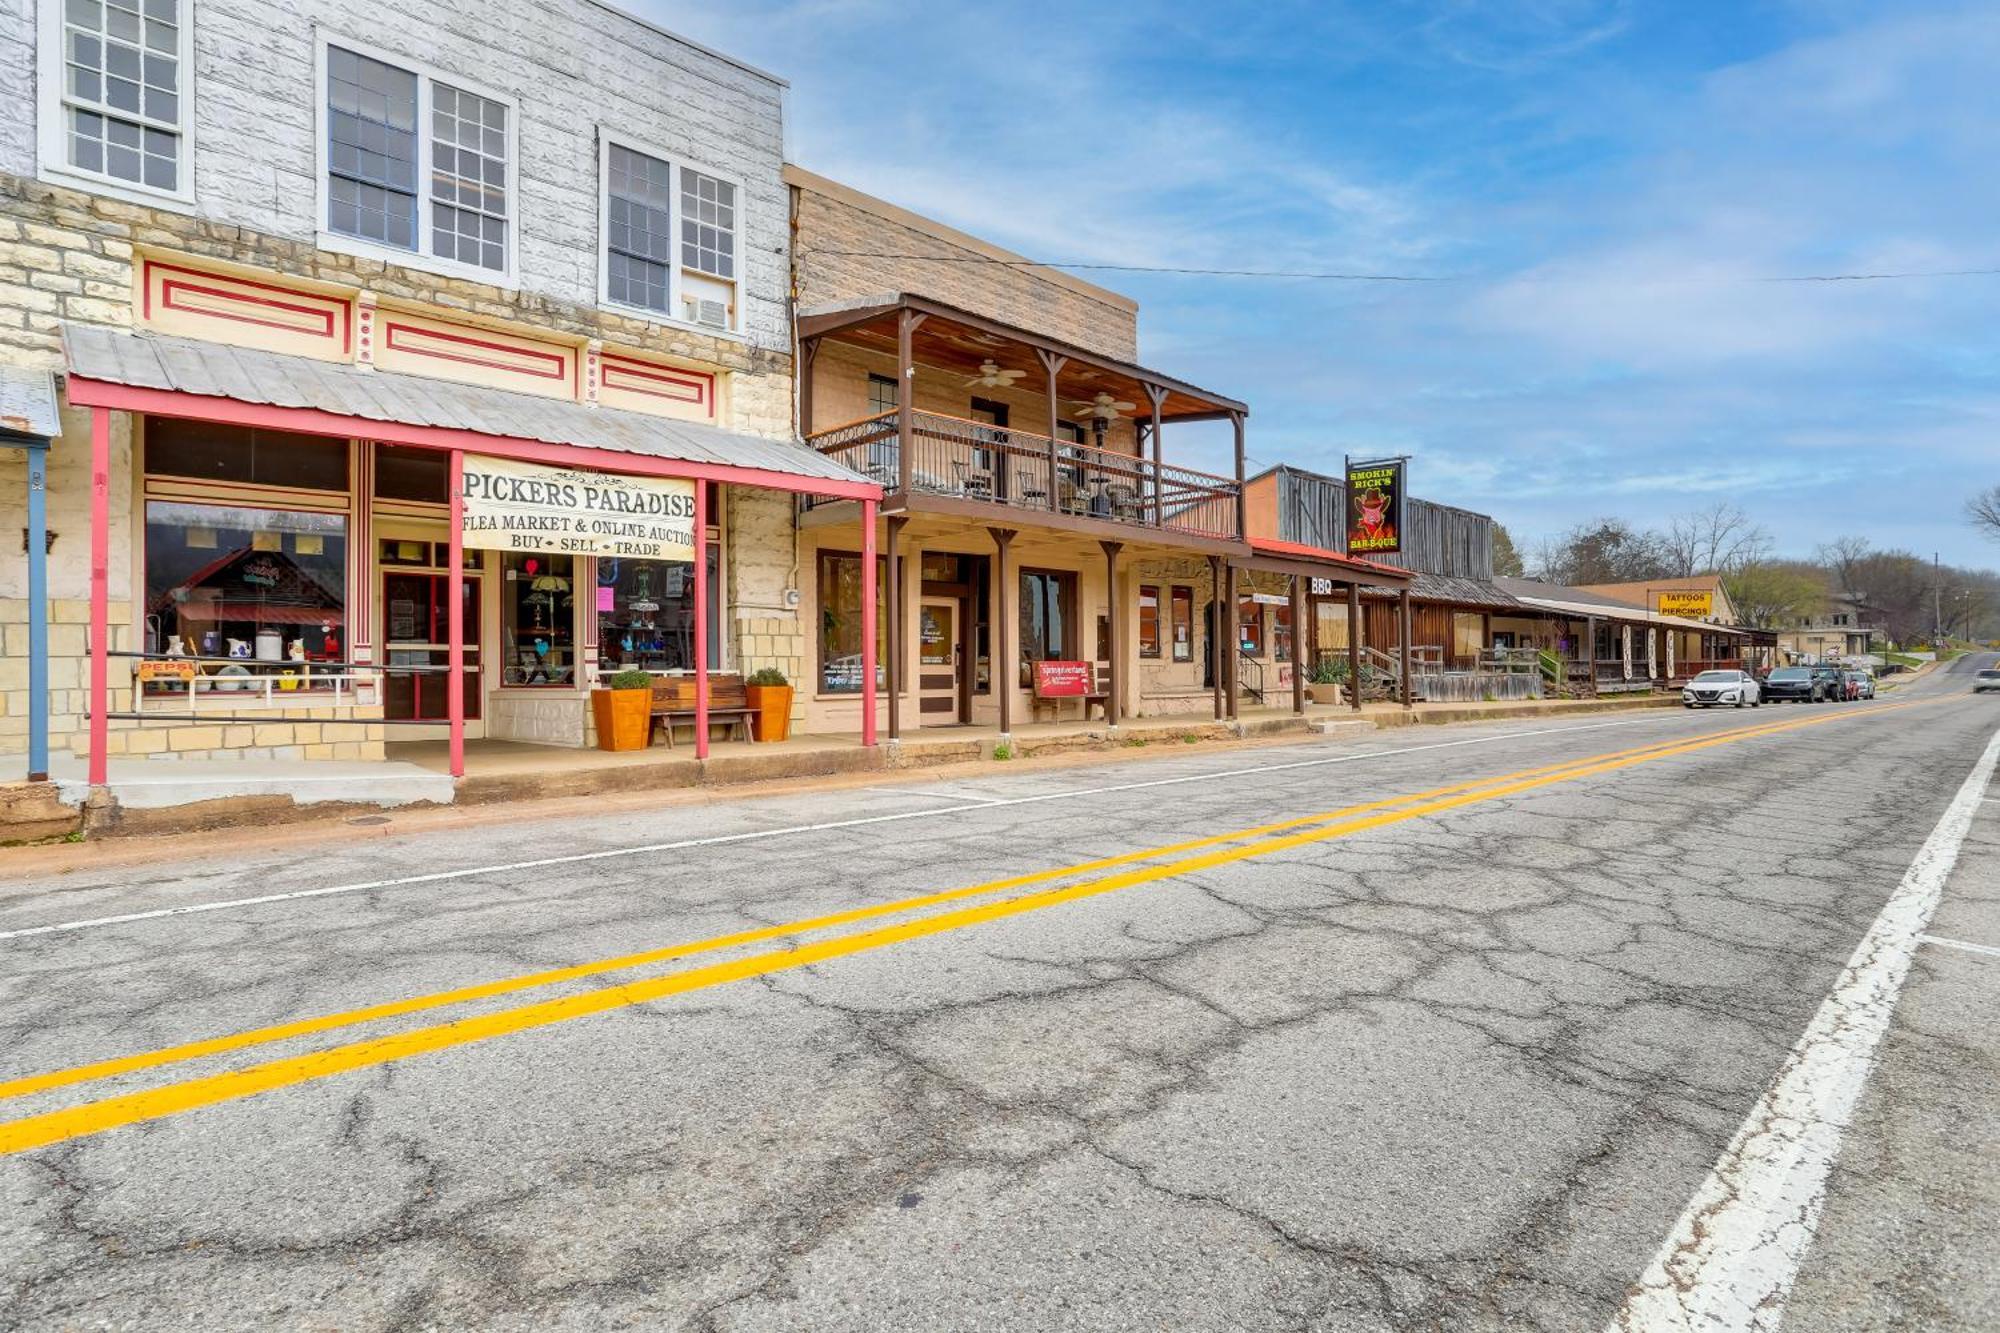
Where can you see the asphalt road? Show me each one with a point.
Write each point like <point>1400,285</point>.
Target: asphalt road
<point>1493,1018</point>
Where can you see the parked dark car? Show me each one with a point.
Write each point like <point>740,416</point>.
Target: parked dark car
<point>1798,685</point>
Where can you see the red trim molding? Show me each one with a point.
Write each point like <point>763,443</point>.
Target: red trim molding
<point>201,407</point>
<point>687,387</point>
<point>336,312</point>
<point>552,365</point>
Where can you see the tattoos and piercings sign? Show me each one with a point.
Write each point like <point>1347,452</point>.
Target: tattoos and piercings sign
<point>1375,507</point>
<point>512,506</point>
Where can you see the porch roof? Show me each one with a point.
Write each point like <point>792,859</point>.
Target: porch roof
<point>1575,602</point>
<point>188,377</point>
<point>1285,557</point>
<point>956,339</point>
<point>27,405</point>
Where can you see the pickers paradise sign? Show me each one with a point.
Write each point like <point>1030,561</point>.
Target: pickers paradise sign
<point>511,506</point>
<point>1375,507</point>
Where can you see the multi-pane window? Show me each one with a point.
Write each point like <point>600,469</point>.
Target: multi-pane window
<point>670,238</point>
<point>1149,620</point>
<point>708,224</point>
<point>123,94</point>
<point>639,231</point>
<point>389,129</point>
<point>468,177</point>
<point>371,186</point>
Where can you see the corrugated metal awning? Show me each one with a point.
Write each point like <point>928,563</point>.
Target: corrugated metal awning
<point>273,379</point>
<point>28,404</point>
<point>1633,613</point>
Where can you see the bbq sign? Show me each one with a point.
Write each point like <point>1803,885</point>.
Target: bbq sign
<point>1375,508</point>
<point>510,506</point>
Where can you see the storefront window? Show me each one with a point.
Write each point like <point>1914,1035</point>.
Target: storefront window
<point>645,613</point>
<point>257,585</point>
<point>405,473</point>
<point>1281,633</point>
<point>1048,619</point>
<point>1149,621</point>
<point>1250,626</point>
<point>840,622</point>
<point>537,620</point>
<point>207,451</point>
<point>1181,623</point>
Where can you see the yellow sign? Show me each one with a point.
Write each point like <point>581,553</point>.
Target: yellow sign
<point>1686,602</point>
<point>166,669</point>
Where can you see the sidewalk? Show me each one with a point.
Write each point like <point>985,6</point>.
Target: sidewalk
<point>160,796</point>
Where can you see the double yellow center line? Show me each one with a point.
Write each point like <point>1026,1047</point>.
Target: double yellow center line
<point>1193,855</point>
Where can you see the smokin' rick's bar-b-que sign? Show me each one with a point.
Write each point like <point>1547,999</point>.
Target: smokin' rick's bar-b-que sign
<point>510,506</point>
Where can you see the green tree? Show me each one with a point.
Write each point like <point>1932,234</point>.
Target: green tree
<point>1771,594</point>
<point>1506,560</point>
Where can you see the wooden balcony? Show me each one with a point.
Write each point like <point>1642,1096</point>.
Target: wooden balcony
<point>970,463</point>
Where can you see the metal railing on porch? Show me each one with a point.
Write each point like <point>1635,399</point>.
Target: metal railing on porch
<point>1017,469</point>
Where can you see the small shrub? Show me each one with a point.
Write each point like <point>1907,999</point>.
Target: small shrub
<point>1004,750</point>
<point>767,676</point>
<point>630,680</point>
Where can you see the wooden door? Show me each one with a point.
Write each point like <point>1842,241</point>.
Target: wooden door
<point>940,650</point>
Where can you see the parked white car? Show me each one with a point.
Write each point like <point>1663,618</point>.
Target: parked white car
<point>1735,688</point>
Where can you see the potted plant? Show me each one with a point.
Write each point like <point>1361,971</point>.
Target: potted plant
<point>623,711</point>
<point>770,694</point>
<point>1323,682</point>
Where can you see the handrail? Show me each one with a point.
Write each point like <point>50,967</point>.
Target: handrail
<point>1007,441</point>
<point>1243,660</point>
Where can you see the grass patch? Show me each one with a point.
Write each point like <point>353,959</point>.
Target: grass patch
<point>1003,751</point>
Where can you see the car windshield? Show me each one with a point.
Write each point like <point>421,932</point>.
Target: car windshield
<point>1990,673</point>
<point>1791,673</point>
<point>1716,678</point>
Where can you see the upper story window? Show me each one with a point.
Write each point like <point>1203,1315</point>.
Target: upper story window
<point>117,97</point>
<point>417,163</point>
<point>670,238</point>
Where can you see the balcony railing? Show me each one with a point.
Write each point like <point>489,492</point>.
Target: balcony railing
<point>970,460</point>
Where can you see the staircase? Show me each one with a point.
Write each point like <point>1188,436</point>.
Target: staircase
<point>1250,676</point>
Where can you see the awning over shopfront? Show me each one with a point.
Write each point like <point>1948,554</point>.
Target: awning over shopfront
<point>171,376</point>
<point>1624,611</point>
<point>1283,557</point>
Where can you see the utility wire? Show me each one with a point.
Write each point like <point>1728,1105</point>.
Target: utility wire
<point>1338,276</point>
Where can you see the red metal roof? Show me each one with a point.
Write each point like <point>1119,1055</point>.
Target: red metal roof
<point>1338,560</point>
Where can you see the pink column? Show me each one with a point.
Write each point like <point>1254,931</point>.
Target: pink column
<point>100,595</point>
<point>454,695</point>
<point>868,588</point>
<point>701,620</point>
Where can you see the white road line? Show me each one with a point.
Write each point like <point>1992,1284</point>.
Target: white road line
<point>758,835</point>
<point>1969,947</point>
<point>1730,1262</point>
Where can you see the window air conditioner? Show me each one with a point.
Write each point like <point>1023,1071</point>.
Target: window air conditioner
<point>710,314</point>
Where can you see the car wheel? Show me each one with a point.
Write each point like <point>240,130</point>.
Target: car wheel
<point>1685,704</point>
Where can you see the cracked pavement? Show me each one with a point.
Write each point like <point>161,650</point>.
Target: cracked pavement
<point>1462,1071</point>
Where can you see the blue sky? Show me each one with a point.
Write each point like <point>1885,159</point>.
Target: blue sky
<point>1606,188</point>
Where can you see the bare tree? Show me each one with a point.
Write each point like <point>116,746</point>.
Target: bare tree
<point>1984,511</point>
<point>1842,557</point>
<point>1607,550</point>
<point>1718,540</point>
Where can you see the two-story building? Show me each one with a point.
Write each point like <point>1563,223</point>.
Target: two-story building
<point>313,285</point>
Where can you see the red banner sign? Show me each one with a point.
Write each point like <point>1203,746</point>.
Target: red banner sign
<point>1063,680</point>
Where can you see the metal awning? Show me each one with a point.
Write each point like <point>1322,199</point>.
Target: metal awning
<point>28,406</point>
<point>1281,557</point>
<point>1586,610</point>
<point>370,400</point>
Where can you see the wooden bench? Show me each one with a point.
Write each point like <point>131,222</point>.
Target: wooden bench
<point>1056,681</point>
<point>673,704</point>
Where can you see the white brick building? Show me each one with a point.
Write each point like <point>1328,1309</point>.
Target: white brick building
<point>553,200</point>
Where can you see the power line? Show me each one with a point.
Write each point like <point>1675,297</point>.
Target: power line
<point>1342,276</point>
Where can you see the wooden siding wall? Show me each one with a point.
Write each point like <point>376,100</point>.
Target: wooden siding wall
<point>1310,508</point>
<point>1438,539</point>
<point>1430,626</point>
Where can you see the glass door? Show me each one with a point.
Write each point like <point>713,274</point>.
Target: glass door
<point>938,658</point>
<point>416,633</point>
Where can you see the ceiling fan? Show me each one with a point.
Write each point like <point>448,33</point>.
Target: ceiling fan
<point>990,376</point>
<point>1106,408</point>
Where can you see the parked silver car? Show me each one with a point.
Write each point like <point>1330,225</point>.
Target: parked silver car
<point>1735,688</point>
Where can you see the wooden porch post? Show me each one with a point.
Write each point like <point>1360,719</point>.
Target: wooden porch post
<point>454,617</point>
<point>100,595</point>
<point>1354,646</point>
<point>1114,707</point>
<point>808,358</point>
<point>1242,500</point>
<point>1233,653</point>
<point>701,620</point>
<point>870,581</point>
<point>1215,673</point>
<point>1590,650</point>
<point>1158,396</point>
<point>1051,365</point>
<point>907,323</point>
<point>1298,642</point>
<point>1409,649</point>
<point>893,607</point>
<point>1006,666</point>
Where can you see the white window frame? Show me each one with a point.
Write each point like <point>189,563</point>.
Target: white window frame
<point>608,139</point>
<point>422,258</point>
<point>52,129</point>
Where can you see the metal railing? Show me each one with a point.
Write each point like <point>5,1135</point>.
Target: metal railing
<point>264,687</point>
<point>999,465</point>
